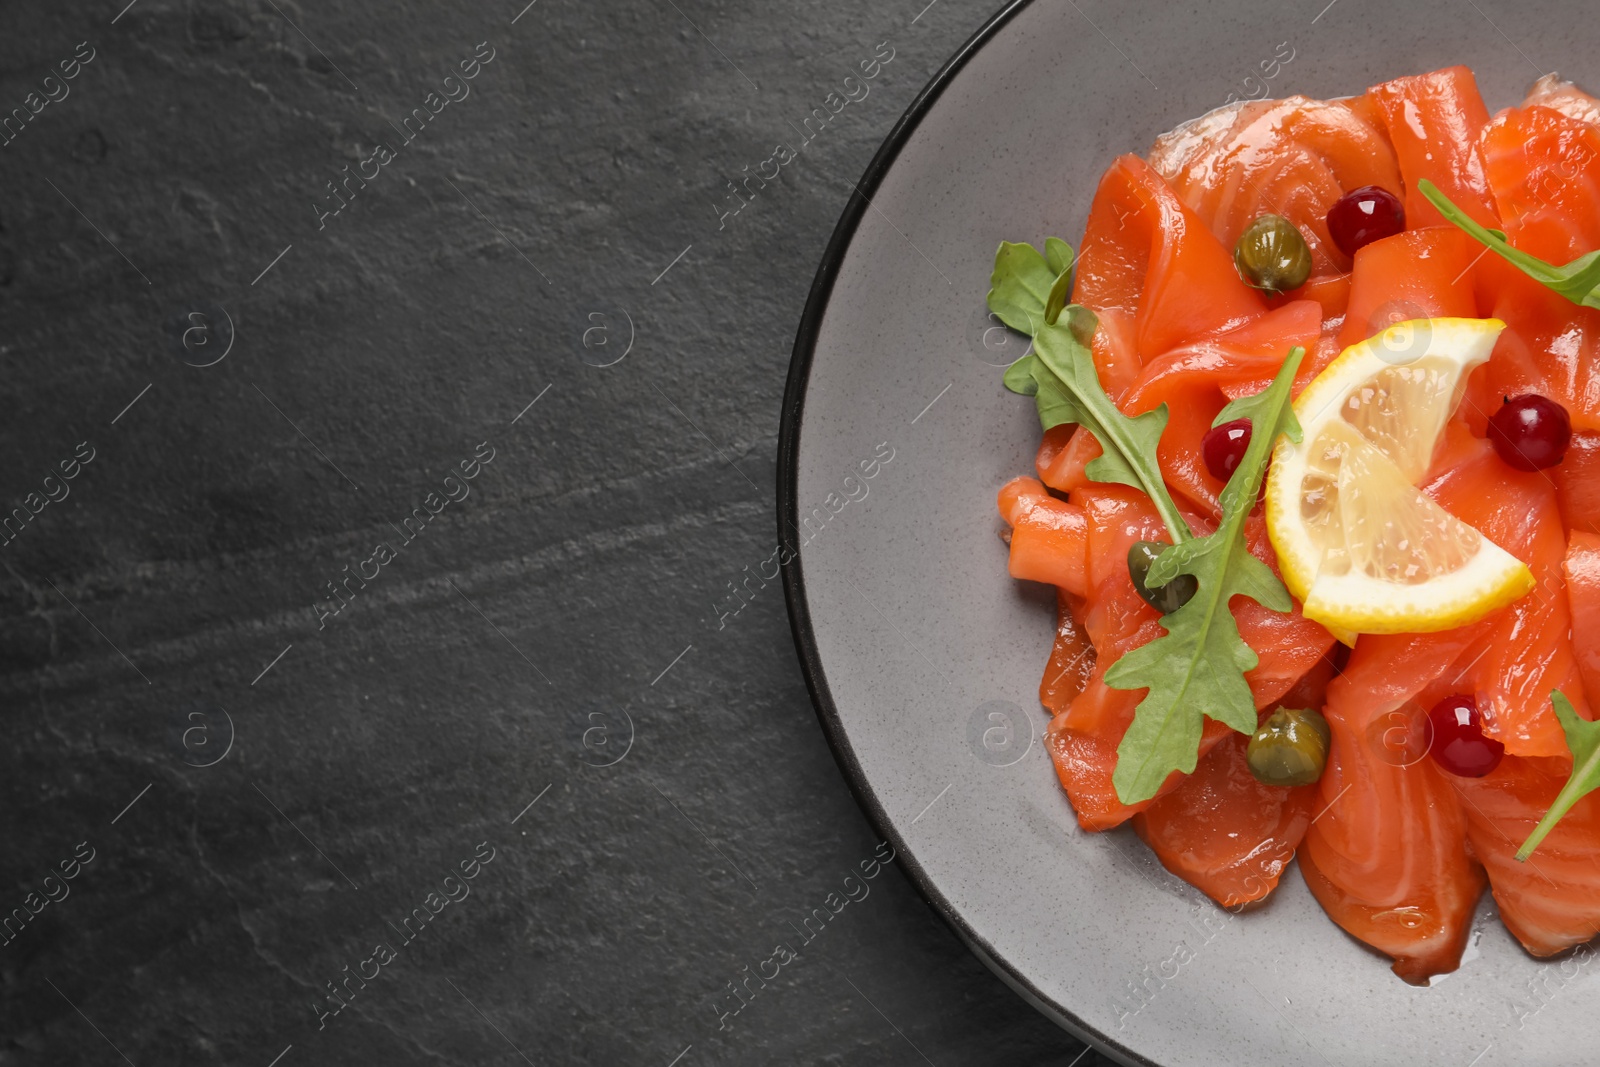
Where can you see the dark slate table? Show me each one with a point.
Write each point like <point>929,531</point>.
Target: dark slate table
<point>391,395</point>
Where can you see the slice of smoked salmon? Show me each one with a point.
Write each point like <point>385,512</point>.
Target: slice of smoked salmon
<point>1117,517</point>
<point>1225,833</point>
<point>1195,381</point>
<point>1577,479</point>
<point>1550,346</point>
<point>1292,157</point>
<point>1582,571</point>
<point>1523,650</point>
<point>1085,761</point>
<point>1548,901</point>
<point>1386,855</point>
<point>1323,350</point>
<point>1331,293</point>
<point>1051,464</point>
<point>1544,169</point>
<point>1555,92</point>
<point>1433,122</point>
<point>1287,643</point>
<point>1391,869</point>
<point>1311,690</point>
<point>1417,274</point>
<point>1068,468</point>
<point>1154,274</point>
<point>1071,660</point>
<point>1117,619</point>
<point>1083,739</point>
<point>1049,537</point>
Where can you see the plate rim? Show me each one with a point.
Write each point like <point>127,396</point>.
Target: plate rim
<point>800,626</point>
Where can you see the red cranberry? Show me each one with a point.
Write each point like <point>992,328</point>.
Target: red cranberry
<point>1364,215</point>
<point>1224,446</point>
<point>1458,742</point>
<point>1530,432</point>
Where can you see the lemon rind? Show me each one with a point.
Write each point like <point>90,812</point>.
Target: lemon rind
<point>1493,579</point>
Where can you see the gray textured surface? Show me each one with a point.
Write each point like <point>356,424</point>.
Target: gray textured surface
<point>379,750</point>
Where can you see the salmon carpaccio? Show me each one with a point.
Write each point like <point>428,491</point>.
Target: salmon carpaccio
<point>1397,850</point>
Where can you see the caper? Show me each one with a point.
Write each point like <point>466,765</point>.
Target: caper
<point>1164,598</point>
<point>1290,748</point>
<point>1273,255</point>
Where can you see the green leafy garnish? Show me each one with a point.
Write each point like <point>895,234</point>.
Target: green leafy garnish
<point>1578,281</point>
<point>1060,374</point>
<point>1058,255</point>
<point>1583,741</point>
<point>1030,377</point>
<point>1062,287</point>
<point>1026,289</point>
<point>1196,669</point>
<point>1128,445</point>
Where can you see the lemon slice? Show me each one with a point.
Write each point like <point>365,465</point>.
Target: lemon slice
<point>1362,548</point>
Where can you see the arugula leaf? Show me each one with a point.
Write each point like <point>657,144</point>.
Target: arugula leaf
<point>1583,741</point>
<point>1128,445</point>
<point>1057,301</point>
<point>1026,288</point>
<point>1058,255</point>
<point>1578,281</point>
<point>1060,258</point>
<point>1020,285</point>
<point>1196,669</point>
<point>1060,373</point>
<point>1067,389</point>
<point>1030,377</point>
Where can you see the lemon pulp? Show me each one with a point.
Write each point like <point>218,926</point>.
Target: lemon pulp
<point>1358,543</point>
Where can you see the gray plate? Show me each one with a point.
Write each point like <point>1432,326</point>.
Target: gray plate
<point>913,637</point>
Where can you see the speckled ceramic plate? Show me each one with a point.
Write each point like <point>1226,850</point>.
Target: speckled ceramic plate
<point>924,658</point>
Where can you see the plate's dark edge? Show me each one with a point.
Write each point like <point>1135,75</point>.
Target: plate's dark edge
<point>794,587</point>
